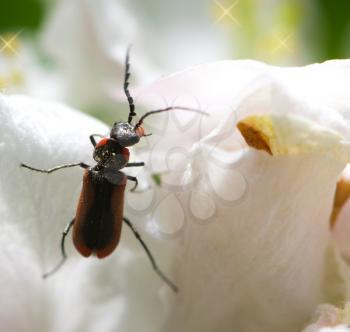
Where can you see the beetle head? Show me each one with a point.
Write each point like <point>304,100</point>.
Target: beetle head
<point>126,134</point>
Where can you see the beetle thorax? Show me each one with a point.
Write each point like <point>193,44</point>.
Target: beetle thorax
<point>109,153</point>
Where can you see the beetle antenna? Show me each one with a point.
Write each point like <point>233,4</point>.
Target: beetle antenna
<point>126,85</point>
<point>170,108</point>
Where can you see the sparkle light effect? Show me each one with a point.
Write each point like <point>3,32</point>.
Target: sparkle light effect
<point>10,44</point>
<point>282,43</point>
<point>226,12</point>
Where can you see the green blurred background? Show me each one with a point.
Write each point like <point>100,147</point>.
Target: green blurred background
<point>80,74</point>
<point>18,14</point>
<point>308,31</point>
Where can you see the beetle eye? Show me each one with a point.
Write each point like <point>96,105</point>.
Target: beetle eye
<point>140,131</point>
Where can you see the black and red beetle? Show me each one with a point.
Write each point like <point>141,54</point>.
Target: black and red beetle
<point>98,221</point>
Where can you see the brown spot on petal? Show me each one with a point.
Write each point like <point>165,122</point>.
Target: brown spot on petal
<point>257,134</point>
<point>341,196</point>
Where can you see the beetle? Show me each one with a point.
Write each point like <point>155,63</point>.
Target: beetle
<point>97,224</point>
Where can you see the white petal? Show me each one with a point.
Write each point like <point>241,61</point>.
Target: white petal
<point>271,242</point>
<point>330,318</point>
<point>36,207</point>
<point>232,90</point>
<point>267,248</point>
<point>86,294</point>
<point>339,328</point>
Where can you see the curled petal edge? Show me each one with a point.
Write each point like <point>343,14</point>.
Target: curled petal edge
<point>292,134</point>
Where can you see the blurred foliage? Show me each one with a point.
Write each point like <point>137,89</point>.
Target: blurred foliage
<point>287,31</point>
<point>290,32</point>
<point>157,177</point>
<point>20,14</point>
<point>331,30</point>
<point>280,32</point>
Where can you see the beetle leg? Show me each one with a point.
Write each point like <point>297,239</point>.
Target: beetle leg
<point>63,251</point>
<point>92,138</point>
<point>50,170</point>
<point>150,256</point>
<point>135,164</point>
<point>133,178</point>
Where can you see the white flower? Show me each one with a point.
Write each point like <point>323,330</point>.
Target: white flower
<point>21,70</point>
<point>261,259</point>
<point>88,40</point>
<point>339,328</point>
<point>278,237</point>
